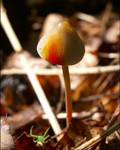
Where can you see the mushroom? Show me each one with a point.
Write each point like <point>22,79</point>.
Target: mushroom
<point>62,46</point>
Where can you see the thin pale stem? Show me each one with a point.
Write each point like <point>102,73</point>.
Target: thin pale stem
<point>68,94</point>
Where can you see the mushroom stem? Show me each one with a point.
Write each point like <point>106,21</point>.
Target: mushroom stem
<point>67,94</point>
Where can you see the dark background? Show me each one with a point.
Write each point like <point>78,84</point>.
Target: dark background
<point>23,13</point>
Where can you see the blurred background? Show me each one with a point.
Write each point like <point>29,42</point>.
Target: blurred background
<point>27,17</point>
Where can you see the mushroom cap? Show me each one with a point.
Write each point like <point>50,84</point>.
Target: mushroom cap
<point>62,46</point>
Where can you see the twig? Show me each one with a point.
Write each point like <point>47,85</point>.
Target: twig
<point>57,71</point>
<point>106,14</point>
<point>108,55</point>
<point>115,115</point>
<point>114,119</point>
<point>32,77</point>
<point>98,96</point>
<point>105,17</point>
<point>104,84</point>
<point>92,142</point>
<point>102,77</point>
<point>87,18</point>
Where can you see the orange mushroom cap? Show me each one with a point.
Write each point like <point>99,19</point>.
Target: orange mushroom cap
<point>62,46</point>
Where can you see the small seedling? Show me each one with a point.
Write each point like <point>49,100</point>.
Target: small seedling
<point>39,139</point>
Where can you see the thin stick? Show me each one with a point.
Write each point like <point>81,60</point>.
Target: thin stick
<point>68,94</point>
<point>56,71</point>
<point>32,77</point>
<point>41,96</point>
<point>87,18</point>
<point>109,55</point>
